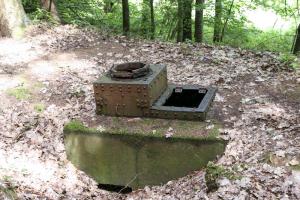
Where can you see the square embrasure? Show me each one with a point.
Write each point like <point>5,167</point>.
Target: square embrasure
<point>188,98</point>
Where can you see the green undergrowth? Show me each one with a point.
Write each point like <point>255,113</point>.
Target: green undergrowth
<point>39,107</point>
<point>289,60</point>
<point>42,15</point>
<point>77,126</point>
<point>20,92</point>
<point>239,31</point>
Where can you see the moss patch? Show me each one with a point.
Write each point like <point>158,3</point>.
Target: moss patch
<point>215,172</point>
<point>295,167</point>
<point>214,132</point>
<point>159,127</point>
<point>76,126</point>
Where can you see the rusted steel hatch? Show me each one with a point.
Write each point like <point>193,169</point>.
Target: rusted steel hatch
<point>140,90</point>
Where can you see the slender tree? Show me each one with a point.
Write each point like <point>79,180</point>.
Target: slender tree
<point>187,20</point>
<point>148,23</point>
<point>126,18</point>
<point>179,20</point>
<point>218,21</point>
<point>199,20</point>
<point>152,19</point>
<point>227,19</point>
<point>296,44</point>
<point>12,18</point>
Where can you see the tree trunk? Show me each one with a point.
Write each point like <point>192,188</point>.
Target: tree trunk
<point>227,19</point>
<point>147,17</point>
<point>199,21</point>
<point>126,19</point>
<point>296,44</point>
<point>179,21</point>
<point>50,6</point>
<point>187,20</point>
<point>152,36</point>
<point>12,18</point>
<point>218,21</point>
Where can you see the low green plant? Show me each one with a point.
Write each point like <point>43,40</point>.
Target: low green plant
<point>42,15</point>
<point>20,92</point>
<point>289,60</point>
<point>39,107</point>
<point>76,126</point>
<point>7,188</point>
<point>215,172</point>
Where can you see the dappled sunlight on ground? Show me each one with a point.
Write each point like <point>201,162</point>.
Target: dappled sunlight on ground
<point>52,65</point>
<point>7,82</point>
<point>272,109</point>
<point>42,69</point>
<point>16,166</point>
<point>16,52</point>
<point>26,164</point>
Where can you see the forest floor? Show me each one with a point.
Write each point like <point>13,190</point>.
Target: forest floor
<point>46,80</point>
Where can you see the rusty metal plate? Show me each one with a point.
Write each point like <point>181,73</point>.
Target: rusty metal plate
<point>130,97</point>
<point>129,70</point>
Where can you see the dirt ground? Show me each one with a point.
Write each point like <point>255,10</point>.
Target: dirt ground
<point>46,80</point>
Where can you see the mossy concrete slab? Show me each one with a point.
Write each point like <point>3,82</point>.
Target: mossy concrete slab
<point>155,127</point>
<point>132,156</point>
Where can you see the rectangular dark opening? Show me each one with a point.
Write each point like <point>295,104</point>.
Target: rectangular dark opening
<point>190,98</point>
<point>115,188</point>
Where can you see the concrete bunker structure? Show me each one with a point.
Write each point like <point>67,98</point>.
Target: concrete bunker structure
<point>139,90</point>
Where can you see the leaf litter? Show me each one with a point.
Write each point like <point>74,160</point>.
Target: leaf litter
<point>257,101</point>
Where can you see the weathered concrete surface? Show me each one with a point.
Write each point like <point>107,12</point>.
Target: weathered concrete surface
<point>137,160</point>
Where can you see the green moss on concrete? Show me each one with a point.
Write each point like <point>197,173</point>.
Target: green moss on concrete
<point>160,127</point>
<point>75,126</point>
<point>78,127</point>
<point>128,147</point>
<point>214,132</point>
<point>138,160</point>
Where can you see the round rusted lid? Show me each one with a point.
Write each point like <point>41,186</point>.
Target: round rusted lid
<point>130,70</point>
